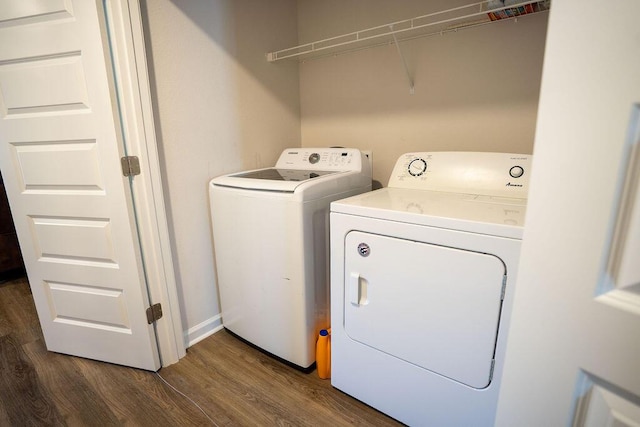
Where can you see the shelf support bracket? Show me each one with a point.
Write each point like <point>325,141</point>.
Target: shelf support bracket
<point>412,89</point>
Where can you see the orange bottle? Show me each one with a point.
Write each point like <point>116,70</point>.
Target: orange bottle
<point>323,354</point>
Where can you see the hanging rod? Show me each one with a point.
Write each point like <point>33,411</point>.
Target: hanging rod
<point>439,20</point>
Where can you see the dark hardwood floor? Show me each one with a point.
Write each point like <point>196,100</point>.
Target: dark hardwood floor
<point>234,384</point>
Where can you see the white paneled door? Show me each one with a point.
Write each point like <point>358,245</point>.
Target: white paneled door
<point>60,149</point>
<point>573,352</point>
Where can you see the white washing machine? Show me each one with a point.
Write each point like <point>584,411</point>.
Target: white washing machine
<point>271,233</point>
<point>422,279</point>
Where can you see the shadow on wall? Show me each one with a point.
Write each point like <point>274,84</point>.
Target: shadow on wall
<point>246,30</point>
<point>213,54</point>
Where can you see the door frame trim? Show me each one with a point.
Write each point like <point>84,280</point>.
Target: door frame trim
<point>126,38</point>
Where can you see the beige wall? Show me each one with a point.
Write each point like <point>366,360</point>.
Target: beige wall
<point>220,107</point>
<point>475,90</point>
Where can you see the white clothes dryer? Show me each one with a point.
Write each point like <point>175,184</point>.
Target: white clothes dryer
<point>422,279</point>
<point>270,233</point>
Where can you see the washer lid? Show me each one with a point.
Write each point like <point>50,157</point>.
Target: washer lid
<point>275,174</point>
<point>493,215</point>
<point>271,179</point>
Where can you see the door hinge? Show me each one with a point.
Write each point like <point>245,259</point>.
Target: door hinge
<point>504,287</point>
<point>154,313</point>
<point>130,165</point>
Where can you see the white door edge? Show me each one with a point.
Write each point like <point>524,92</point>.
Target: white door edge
<point>131,74</point>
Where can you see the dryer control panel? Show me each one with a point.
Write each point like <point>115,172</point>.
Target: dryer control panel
<point>489,174</point>
<point>329,159</point>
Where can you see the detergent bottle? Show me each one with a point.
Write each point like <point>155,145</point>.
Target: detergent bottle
<point>323,354</point>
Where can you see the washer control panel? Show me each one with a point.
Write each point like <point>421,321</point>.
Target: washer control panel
<point>491,174</point>
<point>331,159</point>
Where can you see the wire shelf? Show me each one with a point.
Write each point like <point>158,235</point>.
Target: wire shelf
<point>450,20</point>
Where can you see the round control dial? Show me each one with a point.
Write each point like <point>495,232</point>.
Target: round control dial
<point>516,171</point>
<point>417,167</point>
<point>314,158</point>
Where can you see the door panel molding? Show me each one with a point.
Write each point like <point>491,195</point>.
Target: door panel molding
<point>84,198</point>
<point>34,11</point>
<point>601,403</point>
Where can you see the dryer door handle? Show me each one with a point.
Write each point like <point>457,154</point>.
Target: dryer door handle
<point>357,289</point>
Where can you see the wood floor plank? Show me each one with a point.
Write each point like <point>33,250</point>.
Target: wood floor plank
<point>6,324</point>
<point>72,394</point>
<point>17,311</point>
<point>265,405</point>
<point>235,384</point>
<point>251,388</point>
<point>138,397</point>
<point>23,398</point>
<point>4,417</point>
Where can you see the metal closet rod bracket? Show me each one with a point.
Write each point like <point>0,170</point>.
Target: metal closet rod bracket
<point>412,89</point>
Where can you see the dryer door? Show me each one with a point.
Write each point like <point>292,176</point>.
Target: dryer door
<point>433,306</point>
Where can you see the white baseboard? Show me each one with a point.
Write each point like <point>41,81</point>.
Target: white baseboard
<point>203,330</point>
